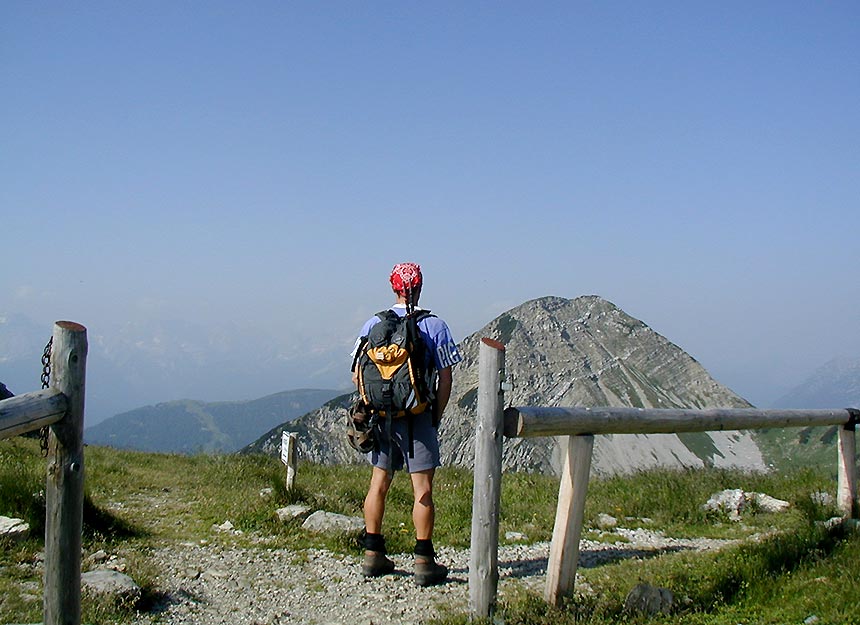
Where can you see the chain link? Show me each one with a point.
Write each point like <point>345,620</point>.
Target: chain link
<point>46,382</point>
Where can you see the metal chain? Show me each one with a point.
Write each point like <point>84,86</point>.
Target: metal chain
<point>46,382</point>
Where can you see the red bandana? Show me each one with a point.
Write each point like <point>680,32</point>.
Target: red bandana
<point>405,276</point>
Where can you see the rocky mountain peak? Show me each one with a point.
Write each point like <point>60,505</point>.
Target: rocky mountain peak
<point>589,352</point>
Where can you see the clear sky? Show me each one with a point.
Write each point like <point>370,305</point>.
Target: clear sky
<point>259,167</point>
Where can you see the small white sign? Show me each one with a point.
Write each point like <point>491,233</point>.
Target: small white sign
<point>288,456</point>
<point>285,447</point>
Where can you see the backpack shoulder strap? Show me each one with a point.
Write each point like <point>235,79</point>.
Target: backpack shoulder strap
<point>358,352</point>
<point>420,315</point>
<point>387,314</point>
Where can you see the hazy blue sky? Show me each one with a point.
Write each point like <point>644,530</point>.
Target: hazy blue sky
<point>259,166</point>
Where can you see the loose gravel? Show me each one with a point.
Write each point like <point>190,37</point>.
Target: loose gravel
<point>214,585</point>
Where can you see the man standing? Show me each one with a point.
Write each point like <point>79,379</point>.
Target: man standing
<point>410,442</point>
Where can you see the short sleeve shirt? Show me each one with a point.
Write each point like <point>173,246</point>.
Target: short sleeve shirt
<point>435,333</point>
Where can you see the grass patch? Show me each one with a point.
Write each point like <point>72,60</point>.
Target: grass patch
<point>22,482</point>
<point>793,447</point>
<point>701,445</point>
<point>506,326</point>
<point>672,499</point>
<point>787,578</point>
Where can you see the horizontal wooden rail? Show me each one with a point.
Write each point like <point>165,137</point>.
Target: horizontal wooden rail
<point>532,421</point>
<point>25,413</point>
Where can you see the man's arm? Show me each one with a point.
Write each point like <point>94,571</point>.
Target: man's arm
<point>443,394</point>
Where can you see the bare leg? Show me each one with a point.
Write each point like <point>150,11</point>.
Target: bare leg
<point>427,570</point>
<point>374,503</point>
<point>375,561</point>
<point>423,510</point>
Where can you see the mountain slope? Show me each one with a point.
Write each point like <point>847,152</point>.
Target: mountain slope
<point>187,426</point>
<point>560,352</point>
<point>835,384</point>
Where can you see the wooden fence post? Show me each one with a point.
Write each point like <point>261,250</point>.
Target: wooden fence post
<point>564,550</point>
<point>486,495</point>
<point>64,492</point>
<point>846,489</point>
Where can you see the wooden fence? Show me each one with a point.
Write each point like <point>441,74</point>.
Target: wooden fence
<point>579,426</point>
<point>62,408</point>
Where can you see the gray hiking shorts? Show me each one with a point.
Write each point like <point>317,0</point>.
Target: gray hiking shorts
<point>425,442</point>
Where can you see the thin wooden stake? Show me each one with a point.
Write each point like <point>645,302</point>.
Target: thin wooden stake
<point>847,477</point>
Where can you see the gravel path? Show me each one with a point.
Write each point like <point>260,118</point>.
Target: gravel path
<point>212,585</point>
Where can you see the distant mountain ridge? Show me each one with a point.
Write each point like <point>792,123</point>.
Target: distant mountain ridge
<point>836,384</point>
<point>134,363</point>
<point>561,352</point>
<point>188,426</point>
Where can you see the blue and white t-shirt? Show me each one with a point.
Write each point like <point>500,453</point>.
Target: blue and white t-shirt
<point>435,333</point>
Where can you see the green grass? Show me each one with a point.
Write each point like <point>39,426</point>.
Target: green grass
<point>784,579</point>
<point>136,501</point>
<point>792,447</point>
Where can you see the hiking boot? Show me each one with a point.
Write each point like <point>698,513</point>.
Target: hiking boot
<point>376,564</point>
<point>428,572</point>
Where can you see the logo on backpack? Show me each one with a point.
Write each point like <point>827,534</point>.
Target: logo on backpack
<point>394,376</point>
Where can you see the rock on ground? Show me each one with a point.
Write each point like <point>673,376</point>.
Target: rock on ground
<point>13,529</point>
<point>733,502</point>
<point>649,599</point>
<point>321,521</point>
<point>113,583</point>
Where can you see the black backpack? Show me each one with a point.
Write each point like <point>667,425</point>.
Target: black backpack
<point>395,376</point>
